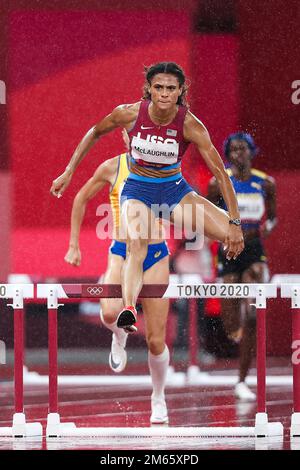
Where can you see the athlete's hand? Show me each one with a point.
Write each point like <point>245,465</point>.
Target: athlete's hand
<point>264,232</point>
<point>234,241</point>
<point>73,256</point>
<point>267,227</point>
<point>60,184</point>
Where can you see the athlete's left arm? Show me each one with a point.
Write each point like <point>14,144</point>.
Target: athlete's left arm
<point>270,201</point>
<point>194,131</point>
<point>105,173</point>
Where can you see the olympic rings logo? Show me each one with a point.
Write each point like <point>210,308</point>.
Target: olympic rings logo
<point>95,290</point>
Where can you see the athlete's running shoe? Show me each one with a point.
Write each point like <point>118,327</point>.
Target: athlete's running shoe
<point>243,392</point>
<point>159,410</point>
<point>127,319</point>
<point>118,354</point>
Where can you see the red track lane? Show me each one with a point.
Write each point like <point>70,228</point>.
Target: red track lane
<point>130,406</point>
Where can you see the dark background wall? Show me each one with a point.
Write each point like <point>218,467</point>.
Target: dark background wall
<point>269,63</point>
<point>70,65</point>
<point>67,69</point>
<point>5,176</point>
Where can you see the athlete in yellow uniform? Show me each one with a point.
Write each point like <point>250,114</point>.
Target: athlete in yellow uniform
<point>114,171</point>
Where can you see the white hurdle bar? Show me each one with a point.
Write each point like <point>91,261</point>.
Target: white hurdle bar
<point>19,428</point>
<point>55,293</point>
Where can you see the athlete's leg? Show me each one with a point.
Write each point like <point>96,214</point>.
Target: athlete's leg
<point>155,315</point>
<point>111,307</point>
<point>156,310</point>
<point>195,209</point>
<point>230,311</point>
<point>137,220</point>
<point>109,311</point>
<point>254,274</point>
<point>237,330</point>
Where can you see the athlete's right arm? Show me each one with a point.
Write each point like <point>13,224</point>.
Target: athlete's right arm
<point>121,116</point>
<point>104,174</point>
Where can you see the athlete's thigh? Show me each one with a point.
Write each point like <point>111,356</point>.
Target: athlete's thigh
<point>201,214</point>
<point>113,276</point>
<point>231,278</point>
<point>216,220</point>
<point>156,310</point>
<point>231,307</point>
<point>255,273</point>
<point>188,217</point>
<point>138,221</point>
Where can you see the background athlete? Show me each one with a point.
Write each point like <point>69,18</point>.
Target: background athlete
<point>256,194</point>
<point>160,127</point>
<point>156,270</point>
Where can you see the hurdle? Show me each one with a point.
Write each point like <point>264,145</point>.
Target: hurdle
<point>19,428</point>
<point>55,293</point>
<point>292,291</point>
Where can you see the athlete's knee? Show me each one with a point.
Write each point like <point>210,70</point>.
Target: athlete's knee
<point>251,317</point>
<point>258,272</point>
<point>156,345</point>
<point>108,316</point>
<point>254,274</point>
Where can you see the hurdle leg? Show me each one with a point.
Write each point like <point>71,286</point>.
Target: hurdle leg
<point>295,420</point>
<point>261,419</point>
<point>19,421</point>
<point>19,358</point>
<point>292,291</point>
<point>53,419</point>
<point>262,427</point>
<point>52,351</point>
<point>54,426</point>
<point>19,426</point>
<point>261,359</point>
<point>193,367</point>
